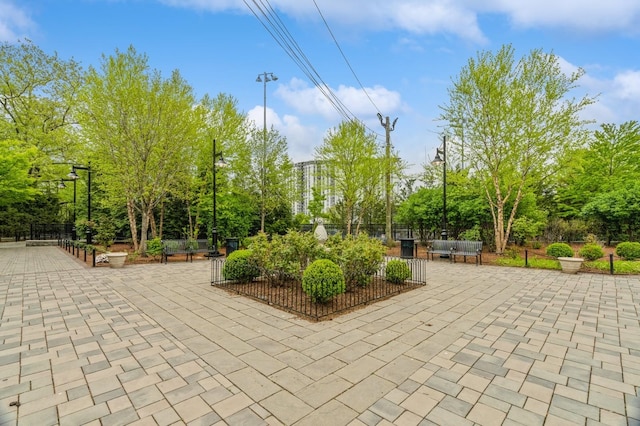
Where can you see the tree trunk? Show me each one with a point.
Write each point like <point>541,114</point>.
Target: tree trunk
<point>144,227</point>
<point>161,220</point>
<point>131,212</point>
<point>154,229</point>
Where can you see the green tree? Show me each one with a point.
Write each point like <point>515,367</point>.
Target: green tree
<point>38,99</point>
<point>139,125</point>
<point>316,205</point>
<point>610,161</point>
<point>353,164</point>
<point>616,213</point>
<point>518,121</point>
<point>264,168</point>
<point>612,158</point>
<point>220,123</point>
<point>16,185</point>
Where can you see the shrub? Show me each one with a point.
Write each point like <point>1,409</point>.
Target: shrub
<point>397,271</point>
<point>628,250</point>
<point>591,239</point>
<point>559,250</point>
<point>359,257</point>
<point>154,247</point>
<point>524,229</point>
<point>323,280</point>
<point>472,234</point>
<point>240,266</point>
<point>591,251</point>
<point>284,257</point>
<point>511,253</point>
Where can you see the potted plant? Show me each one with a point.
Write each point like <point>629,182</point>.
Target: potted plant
<point>117,258</point>
<point>564,253</point>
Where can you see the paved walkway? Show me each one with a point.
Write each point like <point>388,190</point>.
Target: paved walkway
<point>156,344</point>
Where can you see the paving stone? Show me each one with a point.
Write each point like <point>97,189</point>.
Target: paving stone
<point>126,416</point>
<point>364,394</point>
<point>495,336</point>
<point>486,415</point>
<point>443,385</point>
<point>573,406</point>
<point>443,417</point>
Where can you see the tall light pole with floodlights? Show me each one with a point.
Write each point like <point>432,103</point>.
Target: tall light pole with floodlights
<point>73,175</point>
<point>264,78</point>
<point>214,225</point>
<point>441,159</point>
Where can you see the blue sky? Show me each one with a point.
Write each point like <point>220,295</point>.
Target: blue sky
<point>403,52</point>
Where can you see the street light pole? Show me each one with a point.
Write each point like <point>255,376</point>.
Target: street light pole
<point>438,161</point>
<point>73,175</point>
<point>61,185</point>
<point>214,226</point>
<point>264,78</point>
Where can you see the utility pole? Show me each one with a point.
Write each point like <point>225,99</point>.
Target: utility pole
<point>388,127</point>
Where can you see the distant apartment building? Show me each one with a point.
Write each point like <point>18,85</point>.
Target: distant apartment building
<point>311,174</point>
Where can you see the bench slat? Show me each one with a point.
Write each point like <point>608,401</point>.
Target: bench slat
<point>455,248</point>
<point>186,247</point>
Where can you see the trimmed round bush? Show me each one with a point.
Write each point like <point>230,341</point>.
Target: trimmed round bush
<point>240,266</point>
<point>322,280</point>
<point>628,250</point>
<point>591,251</point>
<point>397,271</point>
<point>559,250</point>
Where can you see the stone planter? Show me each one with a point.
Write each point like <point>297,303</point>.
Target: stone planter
<point>116,259</point>
<point>570,265</point>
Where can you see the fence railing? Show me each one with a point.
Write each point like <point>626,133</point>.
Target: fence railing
<point>375,230</point>
<point>75,247</point>
<point>290,297</point>
<point>50,231</point>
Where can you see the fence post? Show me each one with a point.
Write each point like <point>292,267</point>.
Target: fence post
<point>611,263</point>
<point>526,258</point>
<point>93,253</point>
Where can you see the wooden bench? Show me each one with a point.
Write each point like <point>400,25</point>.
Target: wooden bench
<point>453,248</point>
<point>186,247</point>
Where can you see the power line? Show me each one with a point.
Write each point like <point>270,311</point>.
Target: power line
<point>345,58</point>
<point>270,20</point>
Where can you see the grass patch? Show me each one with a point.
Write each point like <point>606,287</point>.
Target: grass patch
<point>619,266</point>
<point>534,262</point>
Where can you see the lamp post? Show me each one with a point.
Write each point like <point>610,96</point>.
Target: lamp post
<point>73,175</point>
<point>264,78</point>
<point>61,185</point>
<point>441,158</point>
<point>214,226</point>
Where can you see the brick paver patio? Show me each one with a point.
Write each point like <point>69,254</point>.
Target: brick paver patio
<point>156,344</point>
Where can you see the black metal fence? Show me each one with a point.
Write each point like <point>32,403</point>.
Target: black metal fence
<point>75,247</point>
<point>375,230</point>
<point>290,297</point>
<point>50,231</point>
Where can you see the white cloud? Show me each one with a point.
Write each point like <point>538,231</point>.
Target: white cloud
<point>413,16</point>
<point>14,22</point>
<point>311,101</point>
<point>582,15</point>
<point>619,97</point>
<point>455,17</point>
<point>626,85</point>
<point>301,140</point>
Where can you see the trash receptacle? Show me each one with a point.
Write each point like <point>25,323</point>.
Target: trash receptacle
<point>406,248</point>
<point>232,245</point>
